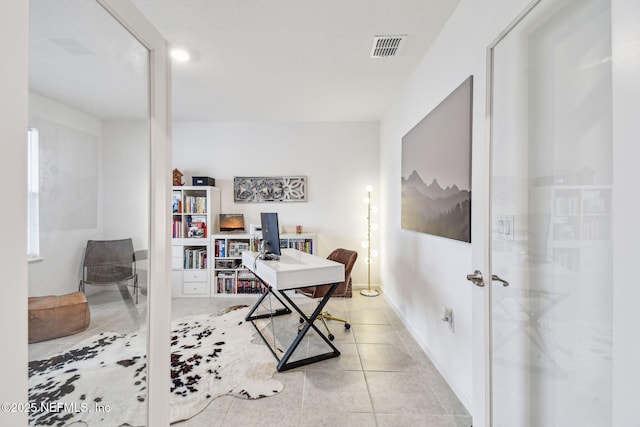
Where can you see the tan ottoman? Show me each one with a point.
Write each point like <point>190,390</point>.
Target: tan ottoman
<point>57,316</point>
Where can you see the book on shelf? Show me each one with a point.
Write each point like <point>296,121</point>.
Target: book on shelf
<point>226,283</point>
<point>195,258</point>
<point>248,283</point>
<point>197,226</point>
<point>195,204</point>
<point>197,230</point>
<point>177,202</point>
<point>304,245</point>
<point>595,202</point>
<point>220,249</point>
<point>237,247</point>
<point>176,229</point>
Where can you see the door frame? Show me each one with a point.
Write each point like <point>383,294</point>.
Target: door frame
<point>159,292</point>
<point>14,109</point>
<point>485,402</point>
<point>625,16</point>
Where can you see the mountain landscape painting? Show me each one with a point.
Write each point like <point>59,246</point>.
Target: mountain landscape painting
<point>436,169</point>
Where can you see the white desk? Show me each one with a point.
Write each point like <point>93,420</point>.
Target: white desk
<point>294,269</point>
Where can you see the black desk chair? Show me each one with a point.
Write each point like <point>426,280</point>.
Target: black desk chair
<point>109,262</point>
<point>348,258</point>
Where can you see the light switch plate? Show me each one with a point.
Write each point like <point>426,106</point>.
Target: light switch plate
<point>506,227</point>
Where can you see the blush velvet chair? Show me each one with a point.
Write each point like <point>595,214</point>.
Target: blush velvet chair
<point>348,258</point>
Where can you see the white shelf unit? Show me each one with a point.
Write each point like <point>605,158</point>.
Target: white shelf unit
<point>195,211</point>
<point>579,224</point>
<point>302,242</point>
<point>229,277</point>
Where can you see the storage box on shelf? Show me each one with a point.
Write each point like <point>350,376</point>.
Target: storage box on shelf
<point>195,214</point>
<point>229,275</point>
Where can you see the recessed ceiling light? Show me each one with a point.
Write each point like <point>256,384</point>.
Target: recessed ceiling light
<point>180,54</point>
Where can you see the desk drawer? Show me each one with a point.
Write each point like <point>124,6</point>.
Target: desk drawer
<point>195,275</point>
<point>195,288</point>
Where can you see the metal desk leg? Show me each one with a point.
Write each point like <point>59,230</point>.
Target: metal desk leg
<point>284,363</point>
<point>279,312</point>
<point>250,317</point>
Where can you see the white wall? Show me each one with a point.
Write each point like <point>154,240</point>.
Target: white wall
<point>94,184</point>
<point>70,202</point>
<point>338,159</point>
<point>125,184</point>
<point>423,273</point>
<point>126,188</point>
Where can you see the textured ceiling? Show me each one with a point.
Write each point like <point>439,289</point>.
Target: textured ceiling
<point>81,57</point>
<point>252,60</point>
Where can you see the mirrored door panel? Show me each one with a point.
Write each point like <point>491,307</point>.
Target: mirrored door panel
<point>89,168</point>
<point>551,195</point>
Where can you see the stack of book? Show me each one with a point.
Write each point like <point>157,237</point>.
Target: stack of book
<point>226,283</point>
<point>303,245</point>
<point>248,284</point>
<point>197,227</point>
<point>195,204</point>
<point>176,229</point>
<point>195,258</point>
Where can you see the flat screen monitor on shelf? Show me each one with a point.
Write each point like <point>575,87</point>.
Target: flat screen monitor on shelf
<point>270,246</point>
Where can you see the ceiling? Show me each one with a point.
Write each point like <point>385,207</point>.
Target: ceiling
<point>81,57</point>
<point>257,60</point>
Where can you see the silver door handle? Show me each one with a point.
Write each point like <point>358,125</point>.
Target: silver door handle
<point>498,279</point>
<point>476,278</point>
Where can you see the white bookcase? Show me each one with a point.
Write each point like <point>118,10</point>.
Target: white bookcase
<point>229,277</point>
<point>195,212</point>
<point>575,225</point>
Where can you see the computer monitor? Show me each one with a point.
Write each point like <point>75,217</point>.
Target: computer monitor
<point>270,246</point>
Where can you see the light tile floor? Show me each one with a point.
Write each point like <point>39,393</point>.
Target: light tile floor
<point>382,377</point>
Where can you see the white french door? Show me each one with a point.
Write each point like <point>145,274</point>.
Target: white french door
<point>551,192</point>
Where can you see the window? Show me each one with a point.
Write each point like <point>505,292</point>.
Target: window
<point>33,185</point>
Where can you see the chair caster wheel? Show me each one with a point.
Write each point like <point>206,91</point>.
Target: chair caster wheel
<point>301,320</point>
<point>331,337</point>
<point>347,326</point>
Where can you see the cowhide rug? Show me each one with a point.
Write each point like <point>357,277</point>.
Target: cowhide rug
<point>102,381</point>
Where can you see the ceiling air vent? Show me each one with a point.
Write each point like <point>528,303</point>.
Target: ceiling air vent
<point>385,46</point>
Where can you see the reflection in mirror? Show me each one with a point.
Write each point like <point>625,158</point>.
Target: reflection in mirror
<point>89,155</point>
<point>552,151</point>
